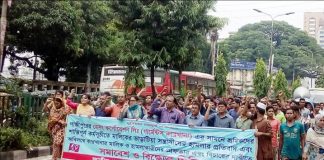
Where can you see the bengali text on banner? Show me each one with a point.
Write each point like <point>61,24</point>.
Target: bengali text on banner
<point>108,138</point>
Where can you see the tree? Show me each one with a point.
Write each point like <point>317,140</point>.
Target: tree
<point>295,52</point>
<point>261,82</point>
<point>320,81</point>
<point>280,83</point>
<point>49,29</point>
<point>295,84</point>
<point>164,30</point>
<point>220,76</point>
<point>95,36</point>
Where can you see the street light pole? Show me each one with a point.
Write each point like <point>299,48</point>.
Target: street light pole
<point>271,56</point>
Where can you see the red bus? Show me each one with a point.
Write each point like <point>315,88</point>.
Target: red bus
<point>112,80</point>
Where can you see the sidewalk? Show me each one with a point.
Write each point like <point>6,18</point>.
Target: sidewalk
<point>41,158</point>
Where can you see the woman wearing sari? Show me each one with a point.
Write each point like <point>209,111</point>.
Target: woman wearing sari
<point>56,125</point>
<point>314,148</point>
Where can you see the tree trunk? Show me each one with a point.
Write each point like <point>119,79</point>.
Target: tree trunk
<point>152,80</point>
<point>52,73</point>
<point>87,89</point>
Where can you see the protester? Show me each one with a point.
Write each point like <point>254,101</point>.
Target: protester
<point>278,113</point>
<point>314,114</point>
<point>114,110</point>
<point>252,111</point>
<point>188,100</point>
<point>104,101</point>
<point>167,113</point>
<point>84,108</point>
<point>275,125</point>
<point>49,101</point>
<point>292,137</point>
<point>263,133</point>
<point>302,106</point>
<point>296,113</point>
<point>221,118</point>
<point>235,108</point>
<point>56,125</point>
<point>314,147</point>
<point>243,122</point>
<point>181,106</point>
<point>316,111</point>
<point>195,118</point>
<point>132,110</point>
<point>148,103</point>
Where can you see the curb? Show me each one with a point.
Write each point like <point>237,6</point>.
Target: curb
<point>24,154</point>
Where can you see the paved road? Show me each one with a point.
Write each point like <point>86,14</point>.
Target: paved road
<point>41,158</point>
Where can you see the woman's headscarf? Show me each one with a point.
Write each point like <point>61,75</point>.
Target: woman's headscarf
<point>318,129</point>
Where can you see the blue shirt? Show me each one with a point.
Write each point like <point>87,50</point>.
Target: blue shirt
<point>233,113</point>
<point>195,120</point>
<point>226,121</point>
<point>100,112</point>
<point>291,140</point>
<point>165,115</point>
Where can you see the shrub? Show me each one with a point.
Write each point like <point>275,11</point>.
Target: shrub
<point>34,134</point>
<point>11,139</point>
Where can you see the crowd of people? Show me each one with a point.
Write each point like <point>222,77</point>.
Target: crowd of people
<point>285,129</point>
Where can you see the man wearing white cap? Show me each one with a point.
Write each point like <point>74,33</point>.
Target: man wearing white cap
<point>263,133</point>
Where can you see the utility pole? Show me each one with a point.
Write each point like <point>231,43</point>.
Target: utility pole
<point>213,38</point>
<point>271,56</point>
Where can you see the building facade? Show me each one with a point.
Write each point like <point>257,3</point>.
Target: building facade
<point>240,77</point>
<point>314,26</point>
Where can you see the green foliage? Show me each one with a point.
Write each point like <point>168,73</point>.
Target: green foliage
<point>67,35</point>
<point>293,48</point>
<point>220,77</point>
<point>24,138</point>
<point>11,139</point>
<point>12,87</point>
<point>50,29</point>
<point>295,84</point>
<point>160,33</point>
<point>320,81</point>
<point>134,77</point>
<point>280,83</point>
<point>261,82</point>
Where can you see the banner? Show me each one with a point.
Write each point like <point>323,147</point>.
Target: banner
<point>103,138</point>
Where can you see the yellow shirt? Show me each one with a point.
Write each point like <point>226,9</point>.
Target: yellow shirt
<point>86,110</point>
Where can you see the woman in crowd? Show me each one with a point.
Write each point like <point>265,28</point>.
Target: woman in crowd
<point>56,125</point>
<point>314,148</point>
<point>133,110</point>
<point>84,108</point>
<point>49,101</point>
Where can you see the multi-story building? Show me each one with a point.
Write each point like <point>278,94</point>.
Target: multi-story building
<point>240,77</point>
<point>314,26</point>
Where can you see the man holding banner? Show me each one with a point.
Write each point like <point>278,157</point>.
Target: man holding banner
<point>264,134</point>
<point>195,118</point>
<point>111,139</point>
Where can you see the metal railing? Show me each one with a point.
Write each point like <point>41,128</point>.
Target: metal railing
<point>14,109</point>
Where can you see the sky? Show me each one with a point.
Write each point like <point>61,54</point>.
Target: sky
<point>240,13</point>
